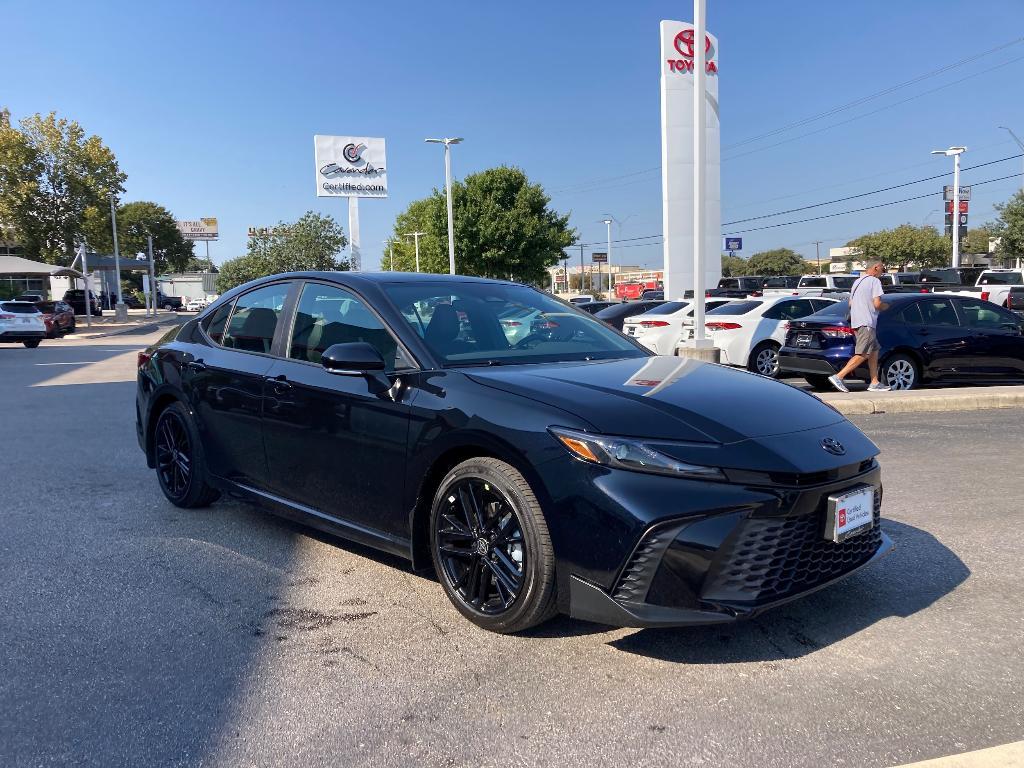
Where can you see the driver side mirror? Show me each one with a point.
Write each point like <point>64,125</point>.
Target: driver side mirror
<point>355,358</point>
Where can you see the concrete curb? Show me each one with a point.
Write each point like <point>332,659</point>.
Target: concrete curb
<point>925,401</point>
<point>140,328</point>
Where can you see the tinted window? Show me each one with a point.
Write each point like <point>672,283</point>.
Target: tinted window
<point>838,309</point>
<point>668,308</point>
<point>820,304</point>
<point>1001,278</point>
<point>938,312</point>
<point>976,313</point>
<point>48,306</point>
<point>729,282</point>
<point>789,310</point>
<point>214,324</point>
<point>845,282</point>
<point>328,315</point>
<point>458,321</point>
<point>19,309</point>
<point>885,279</point>
<point>735,308</point>
<point>812,282</point>
<point>254,320</point>
<point>908,315</point>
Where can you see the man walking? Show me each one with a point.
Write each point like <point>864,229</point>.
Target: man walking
<point>865,304</point>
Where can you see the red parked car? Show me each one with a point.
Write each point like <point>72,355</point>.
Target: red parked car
<point>58,316</point>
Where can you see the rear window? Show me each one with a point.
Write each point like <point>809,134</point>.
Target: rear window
<point>939,276</point>
<point>728,282</point>
<point>1001,278</point>
<point>668,308</point>
<point>812,282</point>
<point>831,312</point>
<point>735,308</point>
<point>16,308</point>
<point>47,306</point>
<point>846,282</point>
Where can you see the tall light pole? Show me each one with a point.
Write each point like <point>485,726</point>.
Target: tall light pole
<point>607,221</point>
<point>1019,144</point>
<point>391,252</point>
<point>817,253</point>
<point>955,153</point>
<point>120,311</point>
<point>416,236</point>
<point>448,194</point>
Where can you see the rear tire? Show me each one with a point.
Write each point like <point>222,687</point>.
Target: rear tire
<point>180,461</point>
<point>764,359</point>
<point>31,344</point>
<point>491,548</point>
<point>819,383</point>
<point>901,372</point>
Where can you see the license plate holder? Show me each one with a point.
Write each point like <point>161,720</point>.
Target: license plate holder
<point>803,339</point>
<point>850,513</point>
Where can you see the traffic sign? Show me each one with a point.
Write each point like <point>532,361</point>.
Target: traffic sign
<point>963,219</point>
<point>733,244</point>
<point>947,192</point>
<point>964,206</point>
<point>599,258</point>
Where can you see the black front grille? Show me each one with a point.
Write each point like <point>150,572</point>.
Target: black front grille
<point>770,558</point>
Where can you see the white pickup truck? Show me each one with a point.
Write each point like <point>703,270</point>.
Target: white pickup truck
<point>993,285</point>
<point>815,285</point>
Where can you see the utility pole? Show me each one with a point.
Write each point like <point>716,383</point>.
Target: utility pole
<point>581,271</point>
<point>152,274</point>
<point>817,251</point>
<point>120,311</point>
<point>88,295</point>
<point>416,236</point>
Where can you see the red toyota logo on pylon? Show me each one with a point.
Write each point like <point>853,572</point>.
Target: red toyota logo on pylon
<point>684,43</point>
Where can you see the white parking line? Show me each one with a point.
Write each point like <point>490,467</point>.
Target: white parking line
<point>88,362</point>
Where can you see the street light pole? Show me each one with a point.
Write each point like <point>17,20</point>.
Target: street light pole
<point>152,274</point>
<point>448,194</point>
<point>416,236</point>
<point>1019,144</point>
<point>955,153</point>
<point>817,253</point>
<point>120,311</point>
<point>391,252</point>
<point>607,221</point>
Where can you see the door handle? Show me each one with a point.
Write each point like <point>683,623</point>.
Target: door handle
<point>196,366</point>
<point>281,385</point>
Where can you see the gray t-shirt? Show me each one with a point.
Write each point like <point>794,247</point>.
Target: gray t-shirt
<point>862,301</point>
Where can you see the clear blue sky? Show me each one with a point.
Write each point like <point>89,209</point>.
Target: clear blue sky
<point>211,107</point>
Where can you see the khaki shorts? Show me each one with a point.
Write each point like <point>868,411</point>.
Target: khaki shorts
<point>867,341</point>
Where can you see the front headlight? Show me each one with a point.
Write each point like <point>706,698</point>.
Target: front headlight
<point>626,453</point>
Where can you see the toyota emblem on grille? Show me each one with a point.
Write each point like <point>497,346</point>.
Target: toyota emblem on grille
<point>833,446</point>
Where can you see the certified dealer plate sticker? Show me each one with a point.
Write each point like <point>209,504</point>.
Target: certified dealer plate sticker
<point>850,513</point>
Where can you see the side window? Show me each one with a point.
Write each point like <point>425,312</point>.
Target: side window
<point>985,314</point>
<point>328,315</point>
<point>788,310</point>
<point>938,312</point>
<point>254,320</point>
<point>214,324</point>
<point>909,315</point>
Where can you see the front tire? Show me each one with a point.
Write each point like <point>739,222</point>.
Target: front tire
<point>491,547</point>
<point>764,359</point>
<point>901,372</point>
<point>180,461</point>
<point>31,344</point>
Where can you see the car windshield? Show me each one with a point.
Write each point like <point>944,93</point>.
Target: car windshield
<point>16,308</point>
<point>460,323</point>
<point>668,308</point>
<point>735,308</point>
<point>830,313</point>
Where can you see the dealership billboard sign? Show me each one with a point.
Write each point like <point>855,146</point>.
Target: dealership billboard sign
<point>350,166</point>
<point>202,229</point>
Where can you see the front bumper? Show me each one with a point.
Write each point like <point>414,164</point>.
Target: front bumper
<point>734,562</point>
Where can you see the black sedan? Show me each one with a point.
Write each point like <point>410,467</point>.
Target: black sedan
<point>925,338</point>
<point>570,471</point>
<point>616,314</point>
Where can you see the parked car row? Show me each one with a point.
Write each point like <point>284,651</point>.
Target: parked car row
<point>21,322</point>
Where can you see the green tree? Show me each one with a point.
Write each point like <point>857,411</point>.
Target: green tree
<point>905,246</point>
<point>977,239</point>
<point>314,243</point>
<point>50,174</point>
<point>1009,228</point>
<point>134,220</point>
<point>503,225</point>
<point>733,266</point>
<point>779,261</point>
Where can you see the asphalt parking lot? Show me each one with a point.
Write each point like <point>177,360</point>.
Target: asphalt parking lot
<point>138,633</point>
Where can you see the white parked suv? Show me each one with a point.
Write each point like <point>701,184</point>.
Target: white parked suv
<point>816,285</point>
<point>21,322</point>
<point>750,332</point>
<point>662,328</point>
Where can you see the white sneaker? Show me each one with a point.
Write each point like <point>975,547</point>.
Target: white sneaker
<point>879,387</point>
<point>836,382</point>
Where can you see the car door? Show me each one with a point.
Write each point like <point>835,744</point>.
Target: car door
<point>225,381</point>
<point>996,346</point>
<point>941,341</point>
<point>337,443</point>
<point>780,314</point>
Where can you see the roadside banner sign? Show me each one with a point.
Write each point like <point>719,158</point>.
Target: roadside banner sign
<point>947,192</point>
<point>350,166</point>
<point>599,258</point>
<point>202,229</point>
<point>733,244</point>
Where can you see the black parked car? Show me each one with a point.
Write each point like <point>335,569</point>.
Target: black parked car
<point>616,314</point>
<point>925,338</point>
<point>737,287</point>
<point>76,298</point>
<point>572,471</point>
<point>593,307</point>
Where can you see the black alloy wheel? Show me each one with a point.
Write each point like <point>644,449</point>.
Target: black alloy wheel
<point>179,460</point>
<point>491,547</point>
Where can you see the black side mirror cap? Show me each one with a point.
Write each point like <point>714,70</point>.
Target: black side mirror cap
<point>352,359</point>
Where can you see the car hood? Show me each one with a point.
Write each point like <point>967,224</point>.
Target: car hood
<point>668,398</point>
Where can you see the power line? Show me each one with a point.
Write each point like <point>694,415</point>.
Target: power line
<point>864,99</point>
<point>872,192</point>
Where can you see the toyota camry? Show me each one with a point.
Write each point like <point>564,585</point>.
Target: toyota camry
<point>567,469</point>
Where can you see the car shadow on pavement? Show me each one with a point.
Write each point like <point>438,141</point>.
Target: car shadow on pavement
<point>920,571</point>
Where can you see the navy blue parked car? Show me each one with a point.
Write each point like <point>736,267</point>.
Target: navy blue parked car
<point>925,338</point>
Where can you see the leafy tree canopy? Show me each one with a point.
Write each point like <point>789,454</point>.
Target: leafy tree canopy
<point>779,261</point>
<point>314,242</point>
<point>905,246</point>
<point>733,266</point>
<point>1009,227</point>
<point>50,174</point>
<point>503,225</point>
<point>171,251</point>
